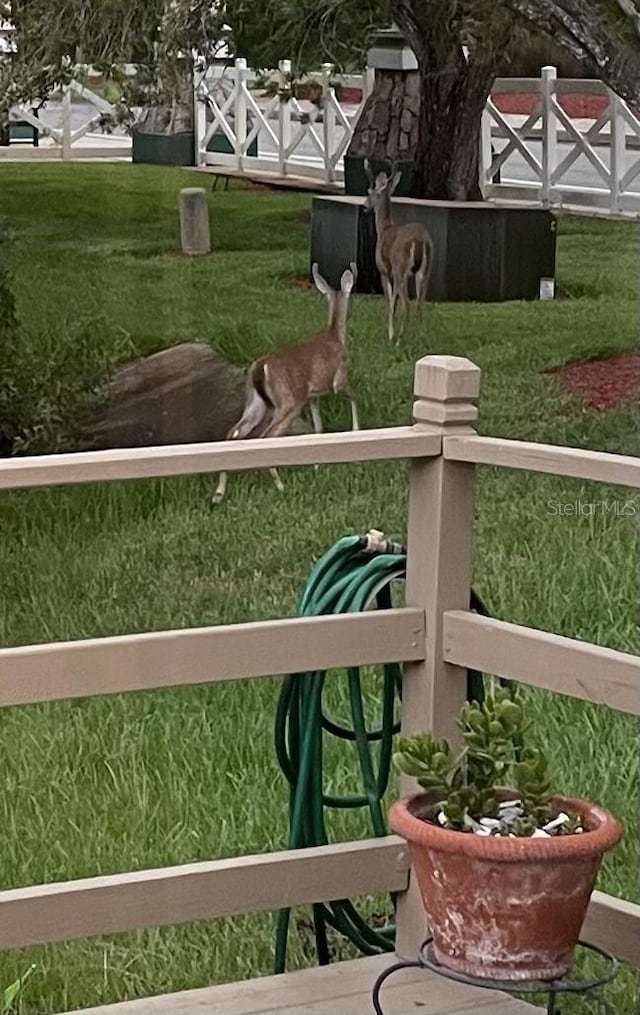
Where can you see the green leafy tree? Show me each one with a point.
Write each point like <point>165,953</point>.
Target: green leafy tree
<point>449,89</point>
<point>160,36</point>
<point>603,34</point>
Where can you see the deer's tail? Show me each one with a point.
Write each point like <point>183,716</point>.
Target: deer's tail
<point>258,406</point>
<point>423,275</point>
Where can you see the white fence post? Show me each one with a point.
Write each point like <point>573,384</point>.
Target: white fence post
<point>438,575</point>
<point>66,122</point>
<point>618,150</point>
<point>549,134</point>
<point>368,81</point>
<point>240,111</point>
<point>328,121</point>
<point>284,116</point>
<point>486,154</point>
<point>199,114</point>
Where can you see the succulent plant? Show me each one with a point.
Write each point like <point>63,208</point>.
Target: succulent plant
<point>463,785</point>
<point>533,782</point>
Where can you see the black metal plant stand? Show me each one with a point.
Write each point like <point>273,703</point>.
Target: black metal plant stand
<point>552,988</point>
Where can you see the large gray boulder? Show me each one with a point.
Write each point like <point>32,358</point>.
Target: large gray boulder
<point>182,395</point>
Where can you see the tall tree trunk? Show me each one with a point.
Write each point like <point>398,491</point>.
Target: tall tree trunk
<point>388,125</point>
<point>454,93</point>
<point>453,90</point>
<point>432,120</point>
<point>432,117</point>
<point>447,159</point>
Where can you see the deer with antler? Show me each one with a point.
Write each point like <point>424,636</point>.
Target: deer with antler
<point>402,251</point>
<point>281,383</point>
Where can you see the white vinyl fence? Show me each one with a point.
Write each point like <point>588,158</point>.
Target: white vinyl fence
<point>545,158</point>
<point>253,132</point>
<point>69,128</point>
<point>555,161</point>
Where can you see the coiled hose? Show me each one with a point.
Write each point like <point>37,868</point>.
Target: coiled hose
<point>354,574</point>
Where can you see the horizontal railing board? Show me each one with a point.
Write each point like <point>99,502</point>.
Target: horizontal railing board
<point>137,662</point>
<point>53,153</point>
<point>186,459</point>
<point>561,86</point>
<point>341,988</point>
<point>593,202</point>
<point>619,470</point>
<point>614,924</point>
<point>601,140</point>
<point>200,891</point>
<point>518,86</point>
<point>549,661</point>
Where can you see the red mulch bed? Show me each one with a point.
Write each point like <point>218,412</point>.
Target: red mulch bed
<point>578,107</point>
<point>349,95</point>
<point>603,383</point>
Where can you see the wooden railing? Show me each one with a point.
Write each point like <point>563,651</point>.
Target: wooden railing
<point>434,635</point>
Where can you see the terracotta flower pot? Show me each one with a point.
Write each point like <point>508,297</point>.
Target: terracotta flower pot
<point>501,908</point>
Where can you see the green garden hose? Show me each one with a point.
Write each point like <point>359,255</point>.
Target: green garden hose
<point>353,575</point>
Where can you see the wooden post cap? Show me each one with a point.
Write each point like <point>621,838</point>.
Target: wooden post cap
<point>445,389</point>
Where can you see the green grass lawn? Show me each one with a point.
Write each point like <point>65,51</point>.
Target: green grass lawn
<point>113,784</point>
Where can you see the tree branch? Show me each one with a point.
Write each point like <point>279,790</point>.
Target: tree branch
<point>604,34</point>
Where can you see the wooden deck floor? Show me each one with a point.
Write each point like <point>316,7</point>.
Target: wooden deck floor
<point>289,182</point>
<point>341,989</point>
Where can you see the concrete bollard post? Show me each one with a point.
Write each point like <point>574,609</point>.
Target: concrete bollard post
<point>195,238</point>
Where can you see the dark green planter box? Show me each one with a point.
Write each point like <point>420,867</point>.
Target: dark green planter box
<point>19,130</point>
<point>164,149</point>
<point>220,143</point>
<point>482,252</point>
<point>22,131</point>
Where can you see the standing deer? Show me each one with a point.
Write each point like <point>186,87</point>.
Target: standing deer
<point>401,251</point>
<point>281,383</point>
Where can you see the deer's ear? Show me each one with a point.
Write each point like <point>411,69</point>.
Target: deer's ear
<point>368,170</point>
<point>347,281</point>
<point>321,284</point>
<point>395,180</point>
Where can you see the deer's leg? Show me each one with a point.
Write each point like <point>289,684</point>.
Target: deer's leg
<point>254,414</point>
<point>387,289</point>
<point>341,383</point>
<point>392,306</point>
<point>423,277</point>
<point>220,489</point>
<point>276,479</point>
<point>420,278</point>
<point>404,303</point>
<point>400,280</point>
<point>283,416</point>
<point>355,425</point>
<point>314,405</point>
<point>282,420</point>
